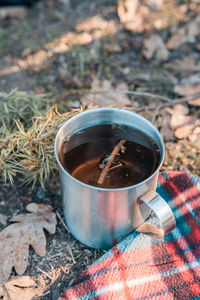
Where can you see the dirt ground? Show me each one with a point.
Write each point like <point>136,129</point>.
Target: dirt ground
<point>63,47</point>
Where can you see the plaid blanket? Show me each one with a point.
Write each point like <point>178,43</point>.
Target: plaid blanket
<point>140,267</point>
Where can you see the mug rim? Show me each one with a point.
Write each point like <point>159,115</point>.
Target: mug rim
<point>162,151</point>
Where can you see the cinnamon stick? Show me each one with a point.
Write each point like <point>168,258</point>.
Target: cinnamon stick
<point>110,161</point>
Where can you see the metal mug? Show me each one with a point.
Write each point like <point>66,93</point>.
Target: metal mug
<point>100,217</point>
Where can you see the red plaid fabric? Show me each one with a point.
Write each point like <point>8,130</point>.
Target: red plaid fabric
<point>140,267</point>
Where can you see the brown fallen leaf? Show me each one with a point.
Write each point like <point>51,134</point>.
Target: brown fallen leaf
<point>182,124</point>
<point>184,34</point>
<point>187,63</point>
<point>106,99</point>
<point>179,120</point>
<point>132,14</point>
<point>18,288</point>
<point>36,68</point>
<point>154,45</point>
<point>137,16</point>
<point>184,131</point>
<point>3,219</point>
<point>187,90</point>
<point>27,231</point>
<point>197,130</point>
<point>195,137</point>
<point>179,117</point>
<point>195,102</point>
<point>181,109</point>
<point>95,23</point>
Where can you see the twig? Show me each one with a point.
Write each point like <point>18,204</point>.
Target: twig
<point>140,94</point>
<point>174,102</point>
<point>45,273</point>
<point>110,161</point>
<point>63,223</point>
<point>61,220</point>
<point>140,109</point>
<point>114,167</point>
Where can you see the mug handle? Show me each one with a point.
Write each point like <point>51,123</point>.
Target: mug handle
<point>163,213</point>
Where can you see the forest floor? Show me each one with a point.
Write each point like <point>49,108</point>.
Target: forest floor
<point>68,48</point>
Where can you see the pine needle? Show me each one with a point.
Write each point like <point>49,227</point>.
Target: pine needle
<point>29,124</point>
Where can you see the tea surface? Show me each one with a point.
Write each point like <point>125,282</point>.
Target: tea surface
<point>86,153</point>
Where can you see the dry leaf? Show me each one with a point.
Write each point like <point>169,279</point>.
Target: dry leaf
<point>195,138</point>
<point>154,45</point>
<point>27,231</point>
<point>36,68</point>
<point>3,219</point>
<point>195,102</point>
<point>197,130</point>
<point>109,98</point>
<point>179,120</point>
<point>184,34</point>
<point>182,124</point>
<point>95,23</point>
<point>181,109</point>
<point>179,117</point>
<point>184,131</point>
<point>132,14</point>
<point>189,90</point>
<point>137,16</point>
<point>18,288</point>
<point>187,63</point>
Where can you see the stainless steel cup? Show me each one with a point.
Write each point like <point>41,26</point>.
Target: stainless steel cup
<point>100,217</point>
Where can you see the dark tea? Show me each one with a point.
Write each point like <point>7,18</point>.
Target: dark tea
<point>110,156</point>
